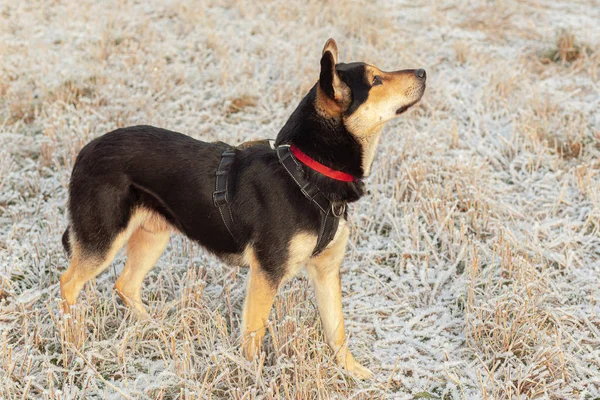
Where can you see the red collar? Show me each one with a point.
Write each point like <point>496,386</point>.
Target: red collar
<point>323,169</point>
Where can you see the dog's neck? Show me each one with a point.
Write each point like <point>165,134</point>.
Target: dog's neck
<point>327,141</point>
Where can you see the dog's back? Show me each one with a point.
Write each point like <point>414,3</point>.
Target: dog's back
<point>133,168</point>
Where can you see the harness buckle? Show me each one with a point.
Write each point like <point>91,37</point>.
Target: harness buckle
<point>220,198</point>
<point>340,210</point>
<point>280,152</point>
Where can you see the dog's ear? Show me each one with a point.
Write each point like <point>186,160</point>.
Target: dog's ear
<point>329,81</point>
<point>331,46</point>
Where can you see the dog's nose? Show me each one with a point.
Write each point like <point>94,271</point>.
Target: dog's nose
<point>420,73</point>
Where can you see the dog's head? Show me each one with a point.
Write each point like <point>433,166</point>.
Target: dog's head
<point>365,96</point>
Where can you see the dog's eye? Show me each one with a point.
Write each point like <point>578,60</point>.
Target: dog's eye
<point>377,80</point>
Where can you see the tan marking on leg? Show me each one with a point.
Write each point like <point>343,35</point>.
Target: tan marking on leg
<point>69,292</point>
<point>299,252</point>
<point>324,273</point>
<point>84,267</point>
<point>151,221</point>
<point>260,294</point>
<point>261,290</point>
<point>143,251</point>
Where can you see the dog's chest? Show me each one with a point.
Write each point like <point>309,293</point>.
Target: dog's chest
<point>301,248</point>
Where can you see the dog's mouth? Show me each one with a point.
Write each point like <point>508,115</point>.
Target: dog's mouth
<point>409,105</point>
<point>406,107</point>
<point>403,109</point>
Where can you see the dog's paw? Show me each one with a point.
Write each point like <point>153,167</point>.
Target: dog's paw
<point>251,346</point>
<point>142,315</point>
<point>353,367</point>
<point>360,372</point>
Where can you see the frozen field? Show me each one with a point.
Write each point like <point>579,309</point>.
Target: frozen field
<point>473,270</point>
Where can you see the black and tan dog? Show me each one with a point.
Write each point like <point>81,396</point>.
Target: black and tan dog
<point>132,187</point>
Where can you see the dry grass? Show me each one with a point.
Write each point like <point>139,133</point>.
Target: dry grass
<point>239,103</point>
<point>566,50</point>
<point>473,264</point>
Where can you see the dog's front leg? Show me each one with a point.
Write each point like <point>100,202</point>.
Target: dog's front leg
<point>260,294</point>
<point>324,273</point>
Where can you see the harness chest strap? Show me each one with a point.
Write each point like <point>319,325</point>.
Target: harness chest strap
<point>330,212</point>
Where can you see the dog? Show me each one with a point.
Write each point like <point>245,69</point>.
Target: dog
<point>275,208</point>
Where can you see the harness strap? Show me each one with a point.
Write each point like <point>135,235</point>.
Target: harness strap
<point>330,212</point>
<point>221,193</point>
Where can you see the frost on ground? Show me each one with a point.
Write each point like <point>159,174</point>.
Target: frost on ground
<point>473,266</point>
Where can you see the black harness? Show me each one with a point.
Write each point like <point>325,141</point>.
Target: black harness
<point>330,212</point>
<point>221,193</point>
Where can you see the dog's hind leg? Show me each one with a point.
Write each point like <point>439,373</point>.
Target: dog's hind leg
<point>86,265</point>
<point>260,295</point>
<point>67,242</point>
<point>143,251</point>
<point>324,273</point>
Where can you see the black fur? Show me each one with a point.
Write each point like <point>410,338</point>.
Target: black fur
<point>327,72</point>
<point>353,74</point>
<point>66,242</point>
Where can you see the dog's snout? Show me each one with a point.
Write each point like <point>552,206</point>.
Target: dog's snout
<point>420,73</point>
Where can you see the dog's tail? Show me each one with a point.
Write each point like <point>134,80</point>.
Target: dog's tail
<point>66,242</point>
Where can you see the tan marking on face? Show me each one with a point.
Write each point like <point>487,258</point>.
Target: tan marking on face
<point>399,89</point>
